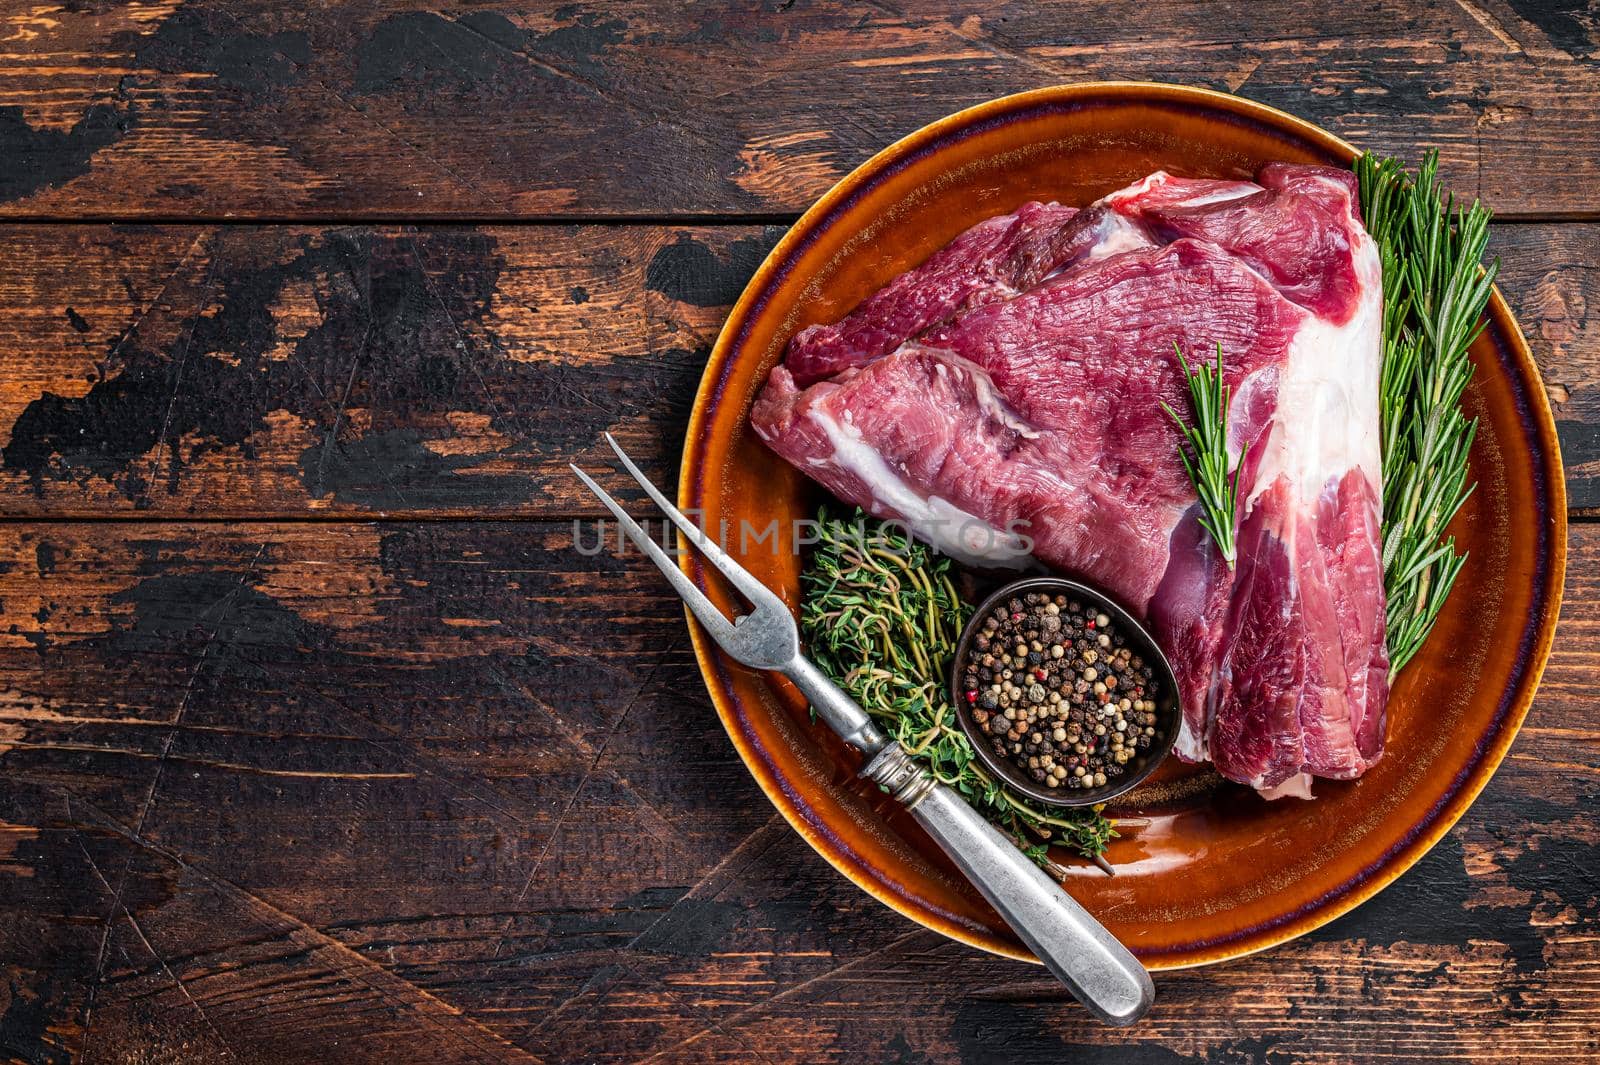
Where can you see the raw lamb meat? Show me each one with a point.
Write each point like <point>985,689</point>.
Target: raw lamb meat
<point>1003,399</point>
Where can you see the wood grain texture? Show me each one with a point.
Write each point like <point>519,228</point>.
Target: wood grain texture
<point>385,109</point>
<point>281,371</point>
<point>291,792</point>
<point>318,739</point>
<point>284,371</point>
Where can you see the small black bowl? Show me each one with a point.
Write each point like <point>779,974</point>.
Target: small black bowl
<point>1168,715</point>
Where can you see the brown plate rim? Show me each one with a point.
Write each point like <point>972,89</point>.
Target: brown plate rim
<point>1533,411</point>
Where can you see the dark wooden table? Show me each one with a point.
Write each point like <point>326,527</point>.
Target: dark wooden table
<point>318,742</point>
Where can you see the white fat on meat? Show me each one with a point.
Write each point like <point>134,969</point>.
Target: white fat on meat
<point>1328,387</point>
<point>963,536</point>
<point>1223,192</point>
<point>1296,787</point>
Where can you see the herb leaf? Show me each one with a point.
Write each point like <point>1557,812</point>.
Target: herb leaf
<point>1208,438</point>
<point>881,617</point>
<point>1435,288</point>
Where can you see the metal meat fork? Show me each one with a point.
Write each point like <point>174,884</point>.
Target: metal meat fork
<point>1099,971</point>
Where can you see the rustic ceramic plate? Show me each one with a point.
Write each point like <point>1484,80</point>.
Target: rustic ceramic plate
<point>1206,871</point>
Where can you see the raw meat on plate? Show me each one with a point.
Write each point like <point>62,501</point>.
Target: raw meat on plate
<point>1004,399</point>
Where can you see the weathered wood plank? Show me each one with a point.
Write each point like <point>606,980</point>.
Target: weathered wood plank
<point>386,109</point>
<point>449,791</point>
<point>1548,274</point>
<point>276,372</point>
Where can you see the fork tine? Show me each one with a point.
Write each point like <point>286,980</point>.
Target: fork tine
<point>758,593</point>
<point>720,628</point>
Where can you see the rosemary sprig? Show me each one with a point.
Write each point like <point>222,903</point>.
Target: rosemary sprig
<point>1208,437</point>
<point>881,617</point>
<point>1435,287</point>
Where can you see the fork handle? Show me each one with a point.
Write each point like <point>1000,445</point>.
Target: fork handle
<point>836,709</point>
<point>1099,971</point>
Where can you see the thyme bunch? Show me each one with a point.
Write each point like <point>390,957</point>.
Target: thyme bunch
<point>881,617</point>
